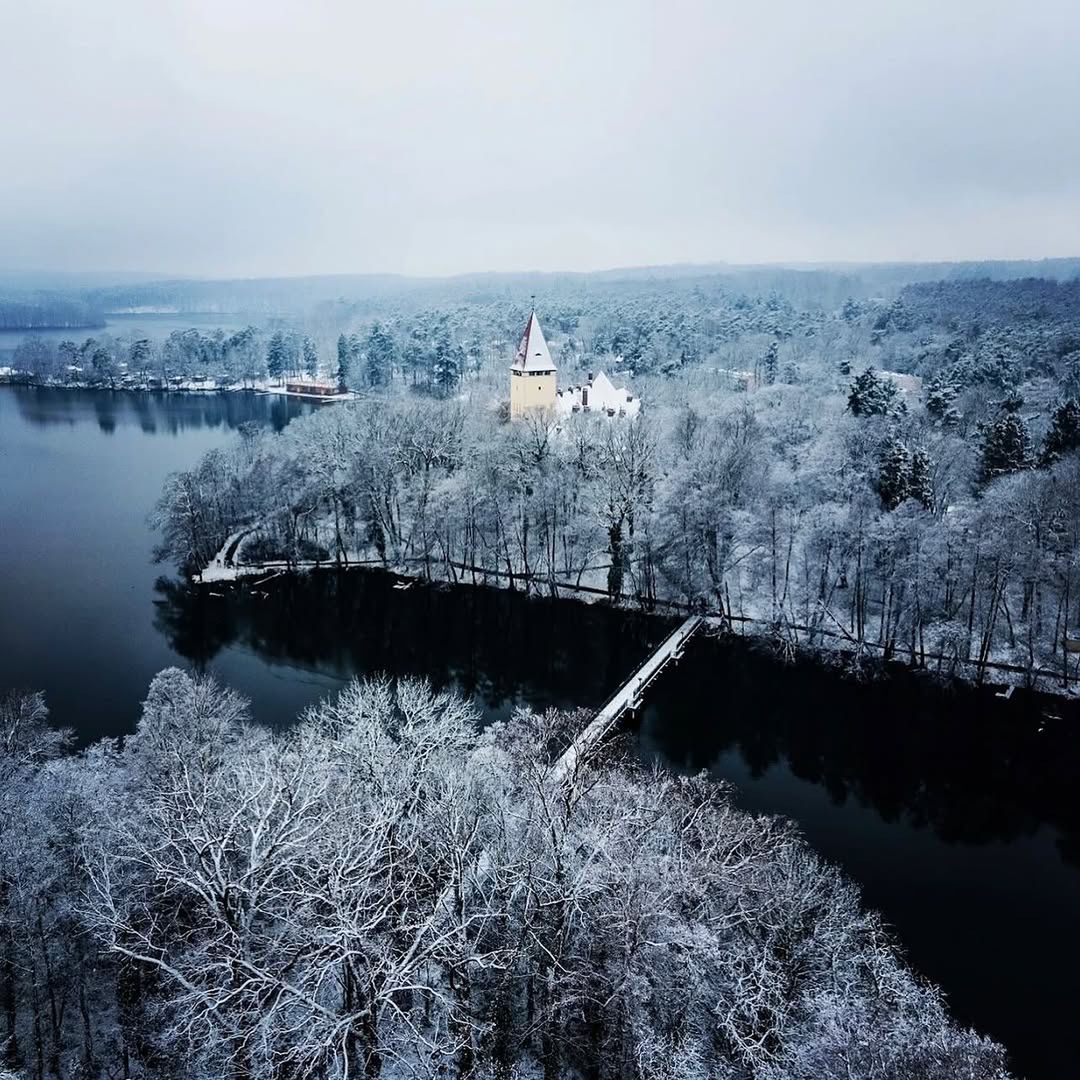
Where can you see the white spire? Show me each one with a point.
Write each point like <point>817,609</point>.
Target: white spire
<point>532,352</point>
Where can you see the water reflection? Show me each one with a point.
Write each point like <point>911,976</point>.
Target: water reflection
<point>954,810</point>
<point>80,471</point>
<point>958,760</point>
<point>154,412</point>
<point>495,646</point>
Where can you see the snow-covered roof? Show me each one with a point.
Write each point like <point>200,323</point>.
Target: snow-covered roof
<point>598,395</point>
<point>532,352</point>
<point>603,388</point>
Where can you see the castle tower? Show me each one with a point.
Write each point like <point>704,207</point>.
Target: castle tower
<point>532,374</point>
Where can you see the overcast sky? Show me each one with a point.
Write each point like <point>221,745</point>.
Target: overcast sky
<point>227,137</point>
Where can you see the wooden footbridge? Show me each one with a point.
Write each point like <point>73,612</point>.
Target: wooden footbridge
<point>627,698</point>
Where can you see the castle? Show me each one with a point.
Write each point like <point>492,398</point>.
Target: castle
<point>532,374</point>
<point>532,383</point>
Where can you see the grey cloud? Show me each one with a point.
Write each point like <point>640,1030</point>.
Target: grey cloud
<point>263,138</point>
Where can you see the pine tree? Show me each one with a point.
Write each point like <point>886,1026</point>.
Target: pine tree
<point>292,352</point>
<point>894,473</point>
<point>904,474</point>
<point>851,310</point>
<point>139,354</point>
<point>1006,447</point>
<point>920,481</point>
<point>771,363</point>
<point>102,366</point>
<point>445,364</point>
<point>68,357</point>
<point>940,394</point>
<point>311,357</point>
<point>1064,434</point>
<point>380,351</point>
<point>872,395</point>
<point>344,362</point>
<point>276,356</point>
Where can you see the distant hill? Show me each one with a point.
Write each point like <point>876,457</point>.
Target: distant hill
<point>810,285</point>
<point>48,311</point>
<point>23,281</point>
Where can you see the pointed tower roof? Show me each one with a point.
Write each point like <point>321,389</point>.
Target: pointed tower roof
<point>532,352</point>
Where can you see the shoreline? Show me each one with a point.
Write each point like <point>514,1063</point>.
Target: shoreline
<point>187,386</point>
<point>854,660</point>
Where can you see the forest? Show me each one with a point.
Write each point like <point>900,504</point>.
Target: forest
<point>385,890</point>
<point>897,479</point>
<point>41,310</point>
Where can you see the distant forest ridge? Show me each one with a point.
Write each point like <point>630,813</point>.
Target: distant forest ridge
<point>48,311</point>
<point>83,300</point>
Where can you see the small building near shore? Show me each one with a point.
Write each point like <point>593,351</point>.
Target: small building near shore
<point>313,387</point>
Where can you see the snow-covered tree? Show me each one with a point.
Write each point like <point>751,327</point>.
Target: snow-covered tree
<point>310,357</point>
<point>1006,447</point>
<point>872,394</point>
<point>277,355</point>
<point>1064,434</point>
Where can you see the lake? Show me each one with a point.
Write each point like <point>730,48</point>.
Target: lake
<point>954,810</point>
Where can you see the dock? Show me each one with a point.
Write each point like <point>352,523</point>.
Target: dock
<point>627,698</point>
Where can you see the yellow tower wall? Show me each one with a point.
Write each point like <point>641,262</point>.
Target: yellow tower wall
<point>531,392</point>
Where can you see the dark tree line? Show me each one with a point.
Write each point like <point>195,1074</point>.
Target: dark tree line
<point>48,311</point>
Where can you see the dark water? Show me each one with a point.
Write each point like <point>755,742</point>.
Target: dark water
<point>79,473</point>
<point>88,617</point>
<point>956,812</point>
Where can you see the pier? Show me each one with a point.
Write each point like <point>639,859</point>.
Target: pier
<point>627,698</point>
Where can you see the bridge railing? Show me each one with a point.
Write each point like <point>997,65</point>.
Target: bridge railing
<point>625,697</point>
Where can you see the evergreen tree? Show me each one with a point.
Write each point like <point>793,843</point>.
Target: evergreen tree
<point>940,394</point>
<point>920,480</point>
<point>771,363</point>
<point>276,356</point>
<point>139,354</point>
<point>1006,447</point>
<point>67,356</point>
<point>292,352</point>
<point>356,355</point>
<point>1064,434</point>
<point>1013,401</point>
<point>243,356</point>
<point>446,364</point>
<point>414,359</point>
<point>851,310</point>
<point>873,395</point>
<point>344,362</point>
<point>380,353</point>
<point>904,474</point>
<point>894,473</point>
<point>311,357</point>
<point>102,365</point>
